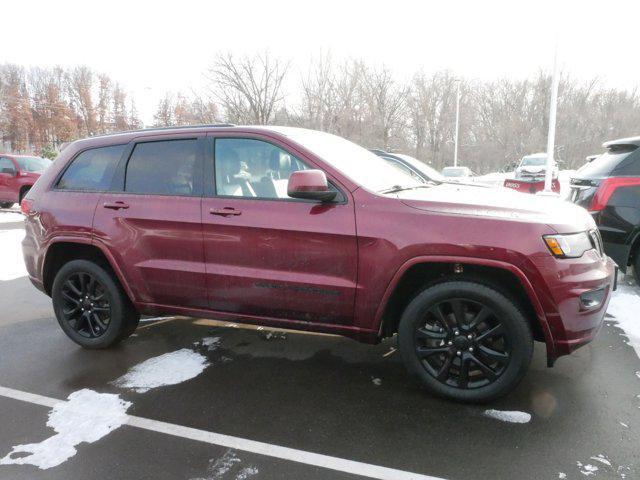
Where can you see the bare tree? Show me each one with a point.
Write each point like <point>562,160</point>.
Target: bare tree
<point>248,88</point>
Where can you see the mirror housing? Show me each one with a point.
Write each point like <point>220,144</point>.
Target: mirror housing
<point>310,185</point>
<point>9,171</point>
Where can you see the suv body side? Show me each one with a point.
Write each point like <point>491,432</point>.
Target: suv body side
<point>13,185</point>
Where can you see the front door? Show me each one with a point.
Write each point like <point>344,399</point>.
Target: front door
<point>151,221</point>
<point>267,254</point>
<point>6,179</point>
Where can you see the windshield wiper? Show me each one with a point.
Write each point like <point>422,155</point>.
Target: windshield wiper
<point>400,188</point>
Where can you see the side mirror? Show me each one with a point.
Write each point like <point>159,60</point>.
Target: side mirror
<point>310,185</point>
<point>9,171</point>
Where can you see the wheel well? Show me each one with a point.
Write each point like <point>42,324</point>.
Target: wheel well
<point>23,190</point>
<point>422,275</point>
<point>634,251</point>
<point>63,252</point>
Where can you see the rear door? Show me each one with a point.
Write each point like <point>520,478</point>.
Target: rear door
<point>267,254</point>
<point>151,220</point>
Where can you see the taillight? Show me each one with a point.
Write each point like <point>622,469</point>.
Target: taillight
<point>606,189</point>
<point>25,206</point>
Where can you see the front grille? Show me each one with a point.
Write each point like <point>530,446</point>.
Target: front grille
<point>596,240</point>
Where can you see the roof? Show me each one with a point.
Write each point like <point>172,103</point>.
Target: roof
<point>163,129</point>
<point>15,155</point>
<point>635,141</point>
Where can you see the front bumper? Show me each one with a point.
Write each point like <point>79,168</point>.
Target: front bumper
<point>571,323</point>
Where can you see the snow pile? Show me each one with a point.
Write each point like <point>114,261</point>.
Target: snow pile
<point>11,217</point>
<point>11,259</point>
<point>219,468</point>
<point>168,369</point>
<point>509,416</point>
<point>624,306</point>
<point>587,469</point>
<point>87,416</point>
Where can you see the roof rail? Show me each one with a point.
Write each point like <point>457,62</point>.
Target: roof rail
<point>176,127</point>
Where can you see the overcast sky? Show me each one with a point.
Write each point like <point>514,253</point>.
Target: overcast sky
<point>152,47</point>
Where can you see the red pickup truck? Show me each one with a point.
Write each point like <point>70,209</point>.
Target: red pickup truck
<point>305,230</point>
<point>18,173</point>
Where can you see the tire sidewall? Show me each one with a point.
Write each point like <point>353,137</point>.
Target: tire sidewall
<point>116,322</point>
<point>515,324</point>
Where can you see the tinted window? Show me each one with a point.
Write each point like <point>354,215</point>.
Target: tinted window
<point>609,163</point>
<point>163,168</point>
<point>253,168</point>
<point>92,170</point>
<point>6,163</point>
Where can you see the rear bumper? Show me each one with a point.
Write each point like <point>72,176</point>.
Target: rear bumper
<point>572,323</point>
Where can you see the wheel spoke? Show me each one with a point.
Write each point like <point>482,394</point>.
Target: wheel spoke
<point>428,351</point>
<point>443,373</point>
<point>71,311</point>
<point>493,355</point>
<point>492,332</point>
<point>430,334</point>
<point>480,317</point>
<point>69,284</point>
<point>101,309</point>
<point>458,312</point>
<point>463,377</point>
<point>75,301</point>
<point>83,283</point>
<point>100,323</point>
<point>91,286</point>
<point>486,369</point>
<point>92,327</point>
<point>79,322</point>
<point>437,312</point>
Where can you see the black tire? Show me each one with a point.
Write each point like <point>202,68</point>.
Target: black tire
<point>476,359</point>
<point>91,306</point>
<point>636,265</point>
<point>6,204</point>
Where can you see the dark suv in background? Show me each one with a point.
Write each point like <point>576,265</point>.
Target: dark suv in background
<point>609,187</point>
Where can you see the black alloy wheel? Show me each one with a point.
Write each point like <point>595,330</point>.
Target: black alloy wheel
<point>87,307</point>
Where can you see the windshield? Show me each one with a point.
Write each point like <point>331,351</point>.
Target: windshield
<point>366,168</point>
<point>534,161</point>
<point>421,167</point>
<point>33,164</point>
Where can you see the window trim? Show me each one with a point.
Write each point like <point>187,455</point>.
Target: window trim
<point>60,174</point>
<point>210,184</point>
<point>118,183</point>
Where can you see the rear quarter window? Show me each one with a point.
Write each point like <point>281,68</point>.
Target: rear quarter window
<point>92,170</point>
<point>613,163</point>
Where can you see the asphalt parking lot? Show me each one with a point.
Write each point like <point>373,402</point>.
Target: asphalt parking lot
<point>282,405</point>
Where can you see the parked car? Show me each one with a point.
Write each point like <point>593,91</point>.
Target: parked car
<point>609,187</point>
<point>301,229</point>
<point>412,166</point>
<point>18,173</point>
<point>533,167</point>
<point>457,173</point>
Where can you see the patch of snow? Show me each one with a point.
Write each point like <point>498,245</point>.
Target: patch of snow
<point>562,475</point>
<point>509,416</point>
<point>10,217</point>
<point>624,306</point>
<point>587,469</point>
<point>168,369</point>
<point>212,343</point>
<point>624,424</point>
<point>246,473</point>
<point>220,467</point>
<point>376,381</point>
<point>602,459</point>
<point>86,416</point>
<point>11,258</point>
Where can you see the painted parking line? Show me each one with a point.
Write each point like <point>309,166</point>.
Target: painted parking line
<point>238,443</point>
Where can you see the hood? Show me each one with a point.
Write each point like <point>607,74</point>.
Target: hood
<point>539,169</point>
<point>502,203</point>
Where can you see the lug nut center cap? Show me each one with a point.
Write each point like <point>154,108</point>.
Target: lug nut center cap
<point>461,342</point>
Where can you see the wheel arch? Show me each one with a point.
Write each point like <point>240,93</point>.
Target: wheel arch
<point>63,250</point>
<point>419,272</point>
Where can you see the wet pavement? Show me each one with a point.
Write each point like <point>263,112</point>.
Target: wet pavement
<point>312,393</point>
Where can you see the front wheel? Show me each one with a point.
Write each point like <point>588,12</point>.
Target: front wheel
<point>465,341</point>
<point>90,305</point>
<point>6,204</point>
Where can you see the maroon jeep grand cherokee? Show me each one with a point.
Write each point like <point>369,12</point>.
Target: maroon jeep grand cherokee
<point>301,229</point>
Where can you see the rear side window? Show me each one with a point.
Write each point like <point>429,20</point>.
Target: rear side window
<point>163,168</point>
<point>613,163</point>
<point>92,170</point>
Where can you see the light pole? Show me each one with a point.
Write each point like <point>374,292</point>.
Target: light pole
<point>455,146</point>
<point>551,137</point>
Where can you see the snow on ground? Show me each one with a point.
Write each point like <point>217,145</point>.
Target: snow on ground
<point>168,369</point>
<point>10,217</point>
<point>86,416</point>
<point>625,308</point>
<point>509,416</point>
<point>11,259</point>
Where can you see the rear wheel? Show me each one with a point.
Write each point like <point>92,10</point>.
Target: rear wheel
<point>91,307</point>
<point>465,341</point>
<point>6,204</point>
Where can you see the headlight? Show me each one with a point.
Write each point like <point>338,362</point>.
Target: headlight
<point>568,246</point>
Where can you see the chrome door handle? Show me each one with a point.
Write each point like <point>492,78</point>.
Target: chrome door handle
<point>115,205</point>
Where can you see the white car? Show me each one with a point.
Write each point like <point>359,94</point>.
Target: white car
<point>534,167</point>
<point>455,173</point>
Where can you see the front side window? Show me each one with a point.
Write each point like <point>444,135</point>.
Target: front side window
<point>163,168</point>
<point>253,168</point>
<point>92,170</point>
